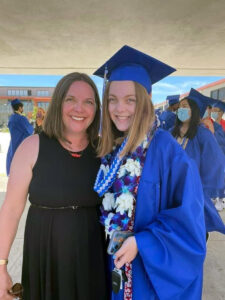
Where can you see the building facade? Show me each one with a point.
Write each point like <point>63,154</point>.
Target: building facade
<point>31,97</point>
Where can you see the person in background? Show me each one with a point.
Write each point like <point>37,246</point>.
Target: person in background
<point>218,108</point>
<point>150,188</point>
<point>168,117</point>
<point>19,128</point>
<point>207,120</point>
<point>217,113</point>
<point>201,145</point>
<point>158,112</point>
<point>39,120</point>
<point>63,255</point>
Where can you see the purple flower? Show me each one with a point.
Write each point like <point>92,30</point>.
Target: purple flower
<point>118,183</point>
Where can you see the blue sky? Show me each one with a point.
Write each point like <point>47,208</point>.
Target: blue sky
<point>169,86</point>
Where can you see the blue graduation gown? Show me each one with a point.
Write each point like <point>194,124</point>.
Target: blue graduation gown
<point>219,135</point>
<point>19,128</point>
<point>210,160</point>
<point>167,119</point>
<point>169,225</point>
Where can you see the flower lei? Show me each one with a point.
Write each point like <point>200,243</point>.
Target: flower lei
<point>119,200</point>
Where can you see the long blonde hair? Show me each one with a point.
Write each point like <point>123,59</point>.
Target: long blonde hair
<point>143,119</point>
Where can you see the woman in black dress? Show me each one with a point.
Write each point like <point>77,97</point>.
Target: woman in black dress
<point>63,244</point>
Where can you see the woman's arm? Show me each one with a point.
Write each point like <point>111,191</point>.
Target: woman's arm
<point>16,195</point>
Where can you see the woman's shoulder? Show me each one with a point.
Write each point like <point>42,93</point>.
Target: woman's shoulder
<point>28,149</point>
<point>203,133</point>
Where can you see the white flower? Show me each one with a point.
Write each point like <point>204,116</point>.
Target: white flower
<point>133,167</point>
<point>108,219</point>
<point>125,203</point>
<point>107,224</point>
<point>122,171</point>
<point>108,201</point>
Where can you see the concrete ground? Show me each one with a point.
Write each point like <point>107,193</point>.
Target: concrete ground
<point>214,270</point>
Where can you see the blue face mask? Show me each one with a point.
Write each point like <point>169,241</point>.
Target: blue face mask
<point>183,114</point>
<point>214,115</point>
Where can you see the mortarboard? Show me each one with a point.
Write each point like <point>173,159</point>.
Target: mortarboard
<point>201,100</point>
<point>220,104</point>
<point>173,99</point>
<point>16,101</point>
<point>131,64</point>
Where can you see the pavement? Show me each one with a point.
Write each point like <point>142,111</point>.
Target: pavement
<point>214,267</point>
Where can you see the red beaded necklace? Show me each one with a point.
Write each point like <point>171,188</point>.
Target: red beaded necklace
<point>76,154</point>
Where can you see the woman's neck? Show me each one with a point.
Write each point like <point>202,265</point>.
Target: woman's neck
<point>184,128</point>
<point>75,143</point>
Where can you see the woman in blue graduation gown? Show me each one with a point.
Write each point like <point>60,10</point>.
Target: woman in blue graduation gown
<point>201,145</point>
<point>149,187</point>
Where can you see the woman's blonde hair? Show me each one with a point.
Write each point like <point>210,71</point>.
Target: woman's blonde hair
<point>53,123</point>
<point>143,119</point>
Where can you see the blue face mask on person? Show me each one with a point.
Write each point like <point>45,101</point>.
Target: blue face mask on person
<point>214,115</point>
<point>183,114</point>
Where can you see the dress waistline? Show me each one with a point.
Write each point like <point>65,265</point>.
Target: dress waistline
<point>73,207</point>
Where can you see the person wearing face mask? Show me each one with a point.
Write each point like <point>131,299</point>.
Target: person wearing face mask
<point>200,144</point>
<point>207,120</point>
<point>217,113</point>
<point>150,189</point>
<point>218,108</point>
<point>168,117</point>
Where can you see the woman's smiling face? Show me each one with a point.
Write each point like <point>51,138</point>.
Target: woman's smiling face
<point>122,104</point>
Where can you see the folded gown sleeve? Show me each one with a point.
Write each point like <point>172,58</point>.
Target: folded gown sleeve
<point>172,245</point>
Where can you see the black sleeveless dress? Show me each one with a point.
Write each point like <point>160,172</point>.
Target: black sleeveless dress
<point>64,255</point>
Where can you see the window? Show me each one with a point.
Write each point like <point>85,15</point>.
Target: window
<point>44,105</point>
<point>42,93</point>
<point>214,94</point>
<point>218,94</point>
<point>27,106</point>
<point>221,93</point>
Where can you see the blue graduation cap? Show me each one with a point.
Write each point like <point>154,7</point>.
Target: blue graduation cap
<point>219,104</point>
<point>201,100</point>
<point>16,101</point>
<point>173,99</point>
<point>131,64</point>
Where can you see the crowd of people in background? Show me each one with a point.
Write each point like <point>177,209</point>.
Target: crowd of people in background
<point>211,141</point>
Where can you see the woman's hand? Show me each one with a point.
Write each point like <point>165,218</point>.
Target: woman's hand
<point>126,253</point>
<point>5,285</point>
